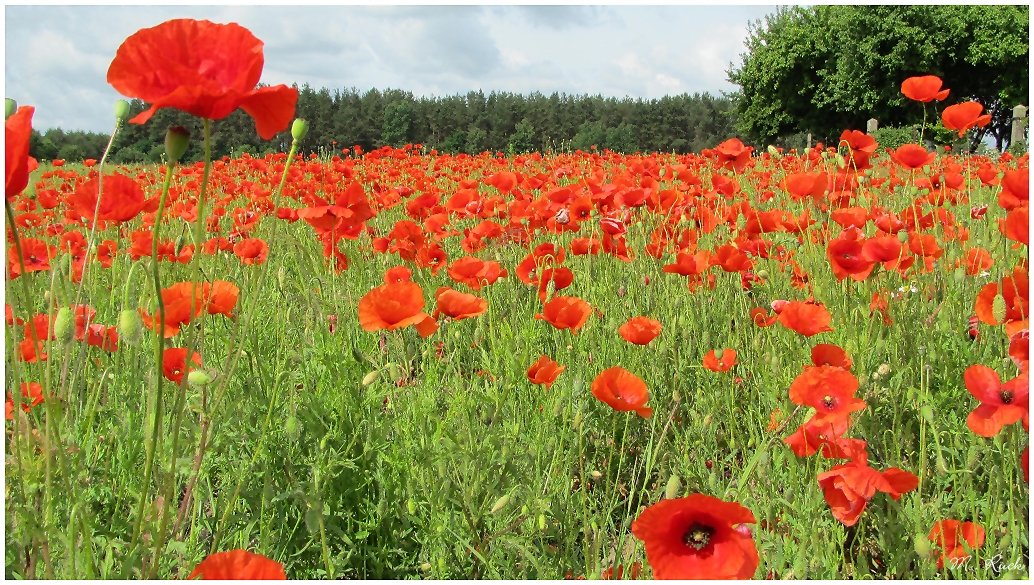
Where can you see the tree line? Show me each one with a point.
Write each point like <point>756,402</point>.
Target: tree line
<point>472,123</point>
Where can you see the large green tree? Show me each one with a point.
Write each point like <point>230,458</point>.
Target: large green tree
<point>828,68</point>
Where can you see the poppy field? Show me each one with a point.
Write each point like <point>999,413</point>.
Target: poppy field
<point>741,363</point>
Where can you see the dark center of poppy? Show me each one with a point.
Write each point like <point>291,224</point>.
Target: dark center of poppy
<point>33,259</point>
<point>828,401</point>
<point>698,536</point>
<point>1006,396</point>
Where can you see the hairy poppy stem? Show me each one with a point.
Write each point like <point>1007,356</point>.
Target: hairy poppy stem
<point>159,350</point>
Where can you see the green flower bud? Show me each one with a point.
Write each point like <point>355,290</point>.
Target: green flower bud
<point>181,240</point>
<point>903,236</point>
<point>411,506</point>
<point>64,325</point>
<point>922,545</point>
<point>10,107</point>
<point>292,428</point>
<point>841,163</point>
<point>927,413</point>
<point>121,109</point>
<point>299,129</point>
<point>773,151</point>
<point>960,274</point>
<point>198,378</point>
<point>130,327</point>
<point>763,274</point>
<point>542,522</point>
<point>176,141</point>
<point>371,378</point>
<point>671,491</point>
<point>500,504</point>
<point>577,421</point>
<point>998,308</point>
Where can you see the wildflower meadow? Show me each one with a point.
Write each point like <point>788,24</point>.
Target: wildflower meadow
<point>739,363</point>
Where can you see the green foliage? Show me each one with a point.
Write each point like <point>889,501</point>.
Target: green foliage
<point>71,153</point>
<point>829,68</point>
<point>128,154</point>
<point>523,138</point>
<point>589,134</point>
<point>396,124</point>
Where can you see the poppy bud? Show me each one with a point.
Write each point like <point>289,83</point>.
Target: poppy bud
<point>299,129</point>
<point>292,428</point>
<point>972,458</point>
<point>960,274</point>
<point>927,413</point>
<point>65,266</point>
<point>773,152</point>
<point>706,422</point>
<point>10,107</point>
<point>577,421</point>
<point>198,378</point>
<point>425,567</point>
<point>998,308</point>
<point>280,273</point>
<point>130,327</point>
<point>922,545</point>
<point>902,236</point>
<point>176,141</point>
<point>411,506</point>
<point>841,163</point>
<point>763,274</point>
<point>500,503</point>
<point>542,522</point>
<point>121,109</point>
<point>180,241</point>
<point>64,325</point>
<point>671,491</point>
<point>676,396</point>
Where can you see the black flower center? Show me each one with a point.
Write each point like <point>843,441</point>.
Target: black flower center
<point>697,536</point>
<point>1006,396</point>
<point>828,401</point>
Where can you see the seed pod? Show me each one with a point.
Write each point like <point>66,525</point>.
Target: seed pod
<point>64,325</point>
<point>130,327</point>
<point>411,506</point>
<point>671,491</point>
<point>500,504</point>
<point>998,309</point>
<point>371,377</point>
<point>176,141</point>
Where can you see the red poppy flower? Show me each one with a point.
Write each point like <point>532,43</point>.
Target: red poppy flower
<point>36,254</point>
<point>977,261</point>
<point>1015,189</point>
<point>846,257</point>
<point>1017,225</point>
<point>952,538</point>
<point>862,147</point>
<point>622,390</point>
<point>732,154</point>
<point>251,251</point>
<point>848,488</point>
<point>238,565</point>
<point>102,336</point>
<point>912,156</point>
<point>805,318</point>
<point>223,298</point>
<point>392,306</point>
<point>1000,404</point>
<point>17,162</point>
<point>475,272</point>
<point>32,395</point>
<point>205,69</point>
<point>699,537</point>
<point>122,200</point>
<point>545,371</point>
<point>720,364</point>
<point>1014,290</point>
<point>640,330</point>
<point>924,89</point>
<point>397,274</point>
<point>566,313</point>
<point>174,364</point>
<point>964,116</point>
<point>821,433</point>
<point>828,389</point>
<point>801,185</point>
<point>731,259</point>
<point>560,277</point>
<point>426,326</point>
<point>583,246</point>
<point>1019,348</point>
<point>458,305</point>
<point>179,299</point>
<point>689,264</point>
<point>825,354</point>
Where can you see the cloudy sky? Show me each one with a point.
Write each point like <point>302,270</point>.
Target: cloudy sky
<point>57,56</point>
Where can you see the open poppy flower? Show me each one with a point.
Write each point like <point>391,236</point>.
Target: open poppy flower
<point>724,363</point>
<point>35,253</point>
<point>458,305</point>
<point>566,313</point>
<point>545,371</point>
<point>924,89</point>
<point>32,395</point>
<point>122,200</point>
<point>397,274</point>
<point>17,162</point>
<point>1014,290</point>
<point>251,251</point>
<point>698,537</point>
<point>821,434</point>
<point>828,389</point>
<point>622,390</point>
<point>964,116</point>
<point>174,363</point>
<point>761,318</point>
<point>805,318</point>
<point>1000,404</point>
<point>640,330</point>
<point>222,298</point>
<point>392,306</point>
<point>952,538</point>
<point>912,156</point>
<point>238,565</point>
<point>862,148</point>
<point>102,336</point>
<point>732,154</point>
<point>848,488</point>
<point>846,256</point>
<point>826,354</point>
<point>1015,189</point>
<point>178,299</point>
<point>475,272</point>
<point>205,69</point>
